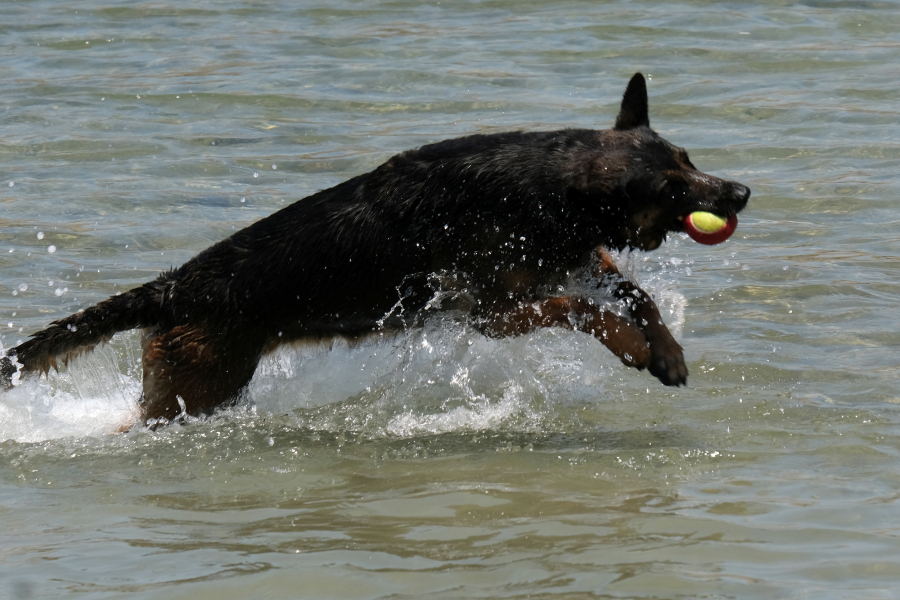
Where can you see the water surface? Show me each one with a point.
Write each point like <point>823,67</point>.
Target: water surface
<point>441,464</point>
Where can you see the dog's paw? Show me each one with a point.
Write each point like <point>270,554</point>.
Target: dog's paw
<point>667,362</point>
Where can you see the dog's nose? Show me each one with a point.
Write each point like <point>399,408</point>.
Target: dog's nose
<point>740,193</point>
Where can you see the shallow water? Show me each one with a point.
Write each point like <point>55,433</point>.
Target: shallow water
<point>441,464</point>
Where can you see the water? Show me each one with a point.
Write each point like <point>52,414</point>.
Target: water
<point>441,464</point>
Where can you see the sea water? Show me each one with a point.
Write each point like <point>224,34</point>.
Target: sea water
<point>439,463</point>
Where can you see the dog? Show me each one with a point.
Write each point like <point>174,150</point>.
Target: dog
<point>488,224</point>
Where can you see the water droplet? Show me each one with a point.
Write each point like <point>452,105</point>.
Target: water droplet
<point>40,235</point>
<point>243,199</point>
<point>51,248</point>
<point>22,287</point>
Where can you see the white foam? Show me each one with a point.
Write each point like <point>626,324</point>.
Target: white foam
<point>96,397</point>
<point>480,415</point>
<point>443,377</point>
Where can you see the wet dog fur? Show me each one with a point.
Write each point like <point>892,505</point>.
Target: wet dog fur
<point>494,222</point>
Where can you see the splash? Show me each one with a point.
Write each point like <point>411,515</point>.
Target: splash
<point>97,397</point>
<point>443,377</point>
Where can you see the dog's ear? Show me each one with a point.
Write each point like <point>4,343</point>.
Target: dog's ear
<point>634,105</point>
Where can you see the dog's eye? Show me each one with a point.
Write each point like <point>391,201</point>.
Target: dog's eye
<point>675,188</point>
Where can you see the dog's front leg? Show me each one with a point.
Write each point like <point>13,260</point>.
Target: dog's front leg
<point>667,356</point>
<point>621,336</point>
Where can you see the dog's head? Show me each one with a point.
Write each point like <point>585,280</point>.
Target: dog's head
<point>647,184</point>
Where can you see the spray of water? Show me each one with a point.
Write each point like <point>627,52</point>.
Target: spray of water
<point>440,378</point>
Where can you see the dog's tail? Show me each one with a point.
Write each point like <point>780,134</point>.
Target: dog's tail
<point>67,338</point>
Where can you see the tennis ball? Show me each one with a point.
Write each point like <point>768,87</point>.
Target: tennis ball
<point>707,228</point>
<point>707,222</point>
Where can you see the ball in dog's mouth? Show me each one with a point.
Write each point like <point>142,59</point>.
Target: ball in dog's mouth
<point>709,228</point>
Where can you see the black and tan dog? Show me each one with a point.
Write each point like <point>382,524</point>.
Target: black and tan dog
<point>491,223</point>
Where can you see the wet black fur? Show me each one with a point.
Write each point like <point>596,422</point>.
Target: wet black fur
<point>496,218</point>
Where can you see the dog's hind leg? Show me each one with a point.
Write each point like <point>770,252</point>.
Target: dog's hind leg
<point>667,356</point>
<point>622,337</point>
<point>191,370</point>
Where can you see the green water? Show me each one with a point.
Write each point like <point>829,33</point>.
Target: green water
<point>442,464</point>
